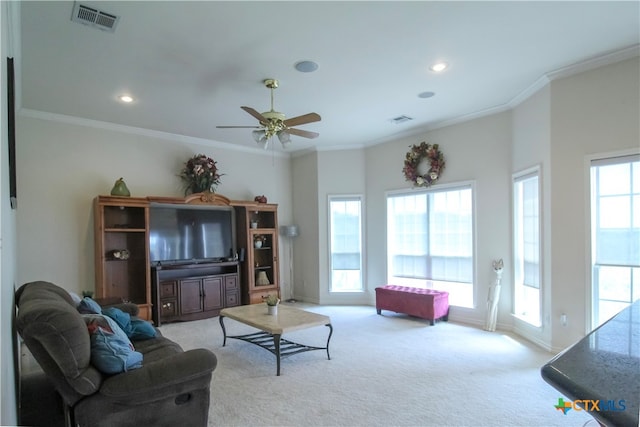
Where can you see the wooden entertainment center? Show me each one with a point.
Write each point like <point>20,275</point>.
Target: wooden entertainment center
<point>167,292</point>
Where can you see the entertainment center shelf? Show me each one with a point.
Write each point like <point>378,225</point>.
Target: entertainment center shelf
<point>193,291</point>
<point>168,277</point>
<point>121,228</point>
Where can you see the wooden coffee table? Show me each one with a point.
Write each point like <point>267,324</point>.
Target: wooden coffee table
<point>272,328</point>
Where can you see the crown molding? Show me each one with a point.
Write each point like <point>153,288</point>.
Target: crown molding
<point>132,130</point>
<point>577,68</point>
<point>596,62</point>
<point>589,64</point>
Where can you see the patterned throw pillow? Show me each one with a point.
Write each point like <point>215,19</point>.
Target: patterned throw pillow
<point>111,350</point>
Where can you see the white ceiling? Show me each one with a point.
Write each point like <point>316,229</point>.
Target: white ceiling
<point>191,65</point>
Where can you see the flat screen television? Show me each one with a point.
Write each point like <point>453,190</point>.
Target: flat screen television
<point>181,234</point>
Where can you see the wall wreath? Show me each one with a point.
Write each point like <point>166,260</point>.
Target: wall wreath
<point>413,159</point>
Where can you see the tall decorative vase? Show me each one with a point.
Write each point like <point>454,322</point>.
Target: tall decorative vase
<point>494,297</point>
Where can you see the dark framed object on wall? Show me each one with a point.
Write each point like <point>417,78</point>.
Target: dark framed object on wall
<point>11,130</point>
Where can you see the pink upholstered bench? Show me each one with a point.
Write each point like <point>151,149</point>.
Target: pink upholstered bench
<point>424,303</point>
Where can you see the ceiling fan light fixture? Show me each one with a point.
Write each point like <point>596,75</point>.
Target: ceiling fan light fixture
<point>285,139</point>
<point>260,136</point>
<point>274,123</point>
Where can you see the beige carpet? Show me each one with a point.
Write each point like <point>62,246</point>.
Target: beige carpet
<point>390,370</point>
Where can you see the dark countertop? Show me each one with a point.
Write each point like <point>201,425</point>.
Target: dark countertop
<point>604,366</point>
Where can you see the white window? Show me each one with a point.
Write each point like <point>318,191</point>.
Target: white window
<point>430,241</point>
<point>526,246</point>
<point>346,243</point>
<point>615,235</point>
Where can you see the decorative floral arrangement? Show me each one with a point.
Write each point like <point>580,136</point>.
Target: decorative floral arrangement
<point>200,174</point>
<point>260,238</point>
<point>415,156</point>
<point>272,300</point>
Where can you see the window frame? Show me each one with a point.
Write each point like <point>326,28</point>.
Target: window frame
<point>345,198</point>
<point>453,186</point>
<point>592,294</point>
<point>516,178</point>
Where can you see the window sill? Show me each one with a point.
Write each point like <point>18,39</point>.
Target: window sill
<point>534,323</point>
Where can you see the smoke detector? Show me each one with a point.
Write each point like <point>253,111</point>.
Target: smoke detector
<point>95,18</point>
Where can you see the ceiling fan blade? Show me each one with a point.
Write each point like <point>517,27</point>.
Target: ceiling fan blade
<point>301,120</point>
<point>254,113</point>
<point>238,127</point>
<point>303,133</point>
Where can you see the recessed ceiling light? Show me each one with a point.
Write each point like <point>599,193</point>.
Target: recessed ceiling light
<point>126,98</point>
<point>439,67</point>
<point>306,66</point>
<point>426,94</point>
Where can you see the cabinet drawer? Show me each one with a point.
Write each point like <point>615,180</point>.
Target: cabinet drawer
<point>231,282</point>
<point>258,297</point>
<point>232,299</point>
<point>168,289</point>
<point>168,308</point>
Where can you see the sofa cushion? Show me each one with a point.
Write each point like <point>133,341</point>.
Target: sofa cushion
<point>111,350</point>
<point>157,349</point>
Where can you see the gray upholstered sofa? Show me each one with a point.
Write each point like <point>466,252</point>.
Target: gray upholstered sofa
<point>170,389</point>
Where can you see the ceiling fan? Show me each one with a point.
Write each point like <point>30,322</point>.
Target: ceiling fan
<point>274,123</point>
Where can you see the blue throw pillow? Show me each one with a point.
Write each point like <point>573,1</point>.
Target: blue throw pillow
<point>111,350</point>
<point>141,330</point>
<point>89,306</point>
<point>120,317</point>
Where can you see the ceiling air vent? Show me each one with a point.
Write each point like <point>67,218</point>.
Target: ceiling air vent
<point>400,119</point>
<point>94,18</point>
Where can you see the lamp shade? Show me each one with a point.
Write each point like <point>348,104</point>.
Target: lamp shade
<point>260,136</point>
<point>289,230</point>
<point>262,279</point>
<point>285,138</point>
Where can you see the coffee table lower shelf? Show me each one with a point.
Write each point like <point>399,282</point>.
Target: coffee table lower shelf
<point>272,327</point>
<point>277,345</point>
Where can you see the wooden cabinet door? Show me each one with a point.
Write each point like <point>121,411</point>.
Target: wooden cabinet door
<point>190,296</point>
<point>212,292</point>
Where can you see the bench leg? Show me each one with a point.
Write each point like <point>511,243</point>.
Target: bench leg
<point>379,311</point>
<point>432,321</point>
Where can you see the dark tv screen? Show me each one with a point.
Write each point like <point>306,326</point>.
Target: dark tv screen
<point>191,234</point>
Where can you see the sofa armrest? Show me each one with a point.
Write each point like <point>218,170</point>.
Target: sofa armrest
<point>172,375</point>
